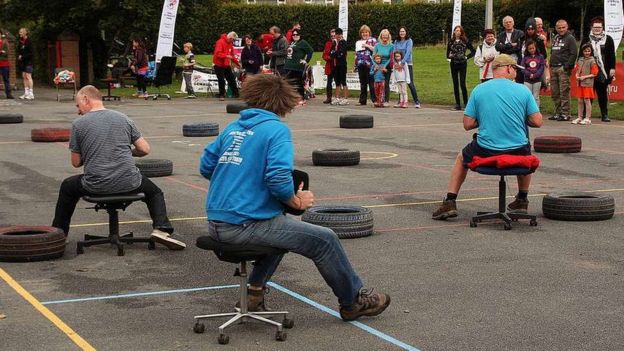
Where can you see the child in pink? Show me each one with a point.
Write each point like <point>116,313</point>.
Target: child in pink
<point>401,78</point>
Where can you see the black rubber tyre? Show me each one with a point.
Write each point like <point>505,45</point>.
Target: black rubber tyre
<point>557,144</point>
<point>335,157</point>
<point>223,339</point>
<point>356,121</point>
<point>236,107</point>
<point>50,134</point>
<point>200,129</point>
<point>577,206</point>
<point>281,335</point>
<point>22,243</point>
<point>346,221</point>
<point>6,118</point>
<point>154,167</point>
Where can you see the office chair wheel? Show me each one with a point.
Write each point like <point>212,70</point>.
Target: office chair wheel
<point>199,328</point>
<point>507,226</point>
<point>533,223</point>
<point>120,251</point>
<point>169,98</point>
<point>151,245</point>
<point>288,323</point>
<point>223,339</point>
<point>473,224</point>
<point>280,335</point>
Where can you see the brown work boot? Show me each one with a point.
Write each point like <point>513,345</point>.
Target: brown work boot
<point>255,300</point>
<point>518,206</point>
<point>367,304</point>
<point>448,209</point>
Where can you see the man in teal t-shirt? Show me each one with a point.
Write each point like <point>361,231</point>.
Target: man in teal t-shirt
<point>503,111</point>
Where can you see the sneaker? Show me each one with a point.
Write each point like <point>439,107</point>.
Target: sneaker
<point>518,206</point>
<point>30,97</point>
<point>554,118</point>
<point>386,104</point>
<point>577,120</point>
<point>585,122</point>
<point>417,104</point>
<point>255,300</point>
<point>605,119</point>
<point>10,97</point>
<point>22,97</point>
<point>448,209</point>
<point>367,304</point>
<point>398,105</point>
<point>335,101</point>
<point>345,102</point>
<point>457,108</point>
<point>165,238</point>
<point>327,101</point>
<point>192,96</point>
<point>563,118</point>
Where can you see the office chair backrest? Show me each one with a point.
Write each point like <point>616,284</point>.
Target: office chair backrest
<point>164,71</point>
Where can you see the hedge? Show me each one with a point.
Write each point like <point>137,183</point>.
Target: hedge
<point>425,22</point>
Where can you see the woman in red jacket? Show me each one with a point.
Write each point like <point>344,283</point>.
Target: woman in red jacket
<point>223,59</point>
<point>329,65</point>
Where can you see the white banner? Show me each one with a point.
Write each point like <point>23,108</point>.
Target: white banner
<point>343,17</point>
<point>167,29</point>
<point>614,20</point>
<point>353,80</point>
<point>456,15</point>
<point>204,82</point>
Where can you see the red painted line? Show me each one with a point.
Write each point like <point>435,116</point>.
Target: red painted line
<point>187,184</point>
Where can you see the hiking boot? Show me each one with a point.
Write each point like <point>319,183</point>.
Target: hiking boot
<point>367,304</point>
<point>448,209</point>
<point>165,238</point>
<point>518,206</point>
<point>255,300</point>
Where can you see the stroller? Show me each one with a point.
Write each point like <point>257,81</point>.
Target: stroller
<point>308,83</point>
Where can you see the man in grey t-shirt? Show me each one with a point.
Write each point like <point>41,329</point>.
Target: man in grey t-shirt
<point>101,141</point>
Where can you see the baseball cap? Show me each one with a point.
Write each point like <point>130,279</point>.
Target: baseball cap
<point>505,60</point>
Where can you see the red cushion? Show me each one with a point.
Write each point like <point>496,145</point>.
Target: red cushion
<point>505,161</point>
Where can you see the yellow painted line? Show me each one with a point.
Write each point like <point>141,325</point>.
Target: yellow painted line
<point>12,142</point>
<point>77,339</point>
<point>389,155</point>
<point>368,206</point>
<point>137,221</point>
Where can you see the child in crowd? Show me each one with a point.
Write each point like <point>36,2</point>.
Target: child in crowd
<point>187,70</point>
<point>586,70</point>
<point>377,71</point>
<point>533,63</point>
<point>401,78</point>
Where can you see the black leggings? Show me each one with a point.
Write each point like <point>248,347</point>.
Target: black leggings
<point>141,83</point>
<point>296,79</point>
<point>458,75</point>
<point>602,92</point>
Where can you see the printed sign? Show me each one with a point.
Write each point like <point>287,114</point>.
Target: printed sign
<point>614,20</point>
<point>164,47</point>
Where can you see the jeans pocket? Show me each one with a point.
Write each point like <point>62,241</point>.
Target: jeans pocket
<point>229,233</point>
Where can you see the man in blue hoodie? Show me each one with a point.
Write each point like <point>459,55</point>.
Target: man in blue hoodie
<point>250,169</point>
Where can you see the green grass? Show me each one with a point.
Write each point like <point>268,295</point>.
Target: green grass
<point>431,76</point>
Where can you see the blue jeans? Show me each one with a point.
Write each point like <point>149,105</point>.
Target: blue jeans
<point>319,244</point>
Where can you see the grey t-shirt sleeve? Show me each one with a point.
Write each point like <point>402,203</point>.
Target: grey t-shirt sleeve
<point>74,145</point>
<point>134,131</point>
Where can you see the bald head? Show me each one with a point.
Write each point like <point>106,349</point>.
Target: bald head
<point>88,99</point>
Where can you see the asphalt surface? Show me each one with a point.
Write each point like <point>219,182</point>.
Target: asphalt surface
<point>557,286</point>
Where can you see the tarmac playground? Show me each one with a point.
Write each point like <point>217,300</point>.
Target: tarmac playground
<point>556,286</point>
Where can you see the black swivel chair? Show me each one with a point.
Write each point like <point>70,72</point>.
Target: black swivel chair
<point>112,204</point>
<point>163,76</point>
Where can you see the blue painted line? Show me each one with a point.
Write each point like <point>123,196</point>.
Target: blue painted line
<point>360,325</point>
<point>122,296</point>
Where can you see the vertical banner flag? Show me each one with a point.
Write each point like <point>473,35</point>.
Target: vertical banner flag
<point>343,17</point>
<point>614,20</point>
<point>167,29</point>
<point>457,15</point>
